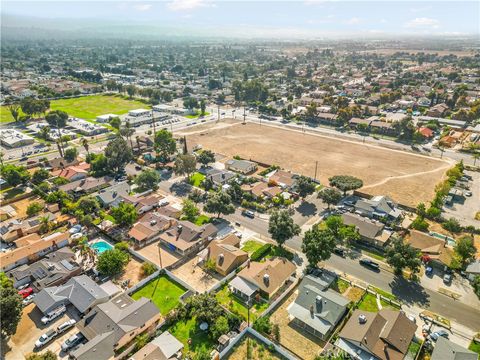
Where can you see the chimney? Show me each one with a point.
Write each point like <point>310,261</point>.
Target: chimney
<point>311,310</point>
<point>266,279</point>
<point>362,319</point>
<point>179,231</point>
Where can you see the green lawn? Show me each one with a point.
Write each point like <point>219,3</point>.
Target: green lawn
<point>384,293</point>
<point>278,251</point>
<point>413,349</point>
<point>236,306</point>
<point>197,115</point>
<point>87,107</point>
<point>369,303</point>
<point>474,346</point>
<point>340,285</point>
<point>188,329</point>
<point>10,193</point>
<point>251,246</point>
<point>196,179</point>
<point>202,219</point>
<point>166,296</point>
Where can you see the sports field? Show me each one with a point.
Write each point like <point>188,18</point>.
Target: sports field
<point>408,178</point>
<point>87,107</point>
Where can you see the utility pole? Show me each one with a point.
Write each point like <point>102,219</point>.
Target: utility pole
<point>244,115</point>
<point>218,113</point>
<point>316,166</point>
<point>153,124</point>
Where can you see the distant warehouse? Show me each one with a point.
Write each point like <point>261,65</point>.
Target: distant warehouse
<point>105,118</point>
<point>139,112</point>
<point>14,138</point>
<point>85,128</point>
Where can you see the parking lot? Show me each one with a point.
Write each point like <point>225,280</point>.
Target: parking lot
<point>31,328</point>
<point>464,211</point>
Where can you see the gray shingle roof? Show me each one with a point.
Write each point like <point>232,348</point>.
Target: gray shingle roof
<point>448,350</point>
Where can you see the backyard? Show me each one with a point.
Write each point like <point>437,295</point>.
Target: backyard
<point>190,335</point>
<point>251,348</point>
<point>86,107</point>
<point>236,306</point>
<point>164,293</point>
<point>196,179</point>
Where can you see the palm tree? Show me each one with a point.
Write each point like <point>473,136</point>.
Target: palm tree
<point>128,131</point>
<point>60,150</point>
<point>475,158</point>
<point>137,139</point>
<point>45,224</point>
<point>85,250</point>
<point>84,142</point>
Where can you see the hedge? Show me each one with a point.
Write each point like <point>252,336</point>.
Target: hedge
<point>261,252</point>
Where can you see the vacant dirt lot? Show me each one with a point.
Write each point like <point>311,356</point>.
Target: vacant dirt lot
<point>407,178</point>
<point>194,276</point>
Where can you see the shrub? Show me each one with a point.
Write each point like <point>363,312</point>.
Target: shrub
<point>34,208</point>
<point>148,269</point>
<point>261,252</point>
<point>263,325</point>
<point>420,224</point>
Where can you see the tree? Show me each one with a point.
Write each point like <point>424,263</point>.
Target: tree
<point>122,246</point>
<point>112,262</point>
<point>282,227</point>
<point>148,269</point>
<point>14,175</point>
<point>164,144</point>
<point>190,103</point>
<point>330,196</point>
<point>11,305</point>
<point>40,175</point>
<point>124,214</point>
<point>85,145</point>
<point>421,210</point>
<point>196,196</point>
<point>465,250</point>
<point>401,255</point>
<point>34,208</point>
<point>48,355</point>
<point>220,327</point>
<point>206,157</point>
<point>70,154</point>
<point>345,183</point>
<point>115,122</point>
<point>419,224</point>
<point>219,203</point>
<point>14,111</point>
<point>318,245</point>
<point>118,154</point>
<point>452,225</point>
<point>57,119</point>
<point>148,179</point>
<point>203,105</point>
<point>344,234</point>
<point>185,164</point>
<point>305,186</point>
<point>87,205</point>
<point>190,211</point>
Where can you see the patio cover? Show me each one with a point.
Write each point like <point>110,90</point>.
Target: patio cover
<point>243,286</point>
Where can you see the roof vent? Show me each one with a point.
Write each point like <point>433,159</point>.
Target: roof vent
<point>153,222</point>
<point>362,319</point>
<point>266,279</point>
<point>318,298</point>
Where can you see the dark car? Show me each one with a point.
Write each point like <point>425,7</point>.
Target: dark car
<point>339,251</point>
<point>370,264</point>
<point>435,335</point>
<point>248,213</point>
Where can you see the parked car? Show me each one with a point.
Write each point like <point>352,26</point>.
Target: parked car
<point>435,335</point>
<point>467,193</point>
<point>23,286</point>
<point>26,292</point>
<point>429,271</point>
<point>52,315</point>
<point>28,300</point>
<point>75,229</point>
<point>45,338</point>
<point>370,264</point>
<point>248,213</point>
<point>339,251</point>
<point>447,279</point>
<point>72,341</point>
<point>65,326</point>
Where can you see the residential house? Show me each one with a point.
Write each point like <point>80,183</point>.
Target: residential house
<point>265,278</point>
<point>317,309</point>
<point>170,211</point>
<point>226,254</point>
<point>163,347</point>
<point>61,163</point>
<point>385,335</point>
<point>262,189</point>
<point>32,249</point>
<point>371,231</point>
<point>219,177</point>
<point>186,238</point>
<point>113,195</point>
<point>80,291</point>
<point>283,178</point>
<point>378,207</point>
<point>149,228</point>
<point>74,172</point>
<point>427,133</point>
<point>241,166</point>
<point>54,269</point>
<point>447,350</point>
<point>86,186</point>
<point>143,204</point>
<point>357,122</point>
<point>111,327</point>
<point>433,249</point>
<point>473,269</point>
<point>438,110</point>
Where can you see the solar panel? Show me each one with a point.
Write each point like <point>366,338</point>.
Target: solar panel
<point>67,265</point>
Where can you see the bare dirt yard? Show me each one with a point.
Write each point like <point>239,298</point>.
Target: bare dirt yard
<point>407,178</point>
<point>195,276</point>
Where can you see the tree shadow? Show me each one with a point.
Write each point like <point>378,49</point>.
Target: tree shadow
<point>409,292</point>
<point>180,188</point>
<point>307,208</point>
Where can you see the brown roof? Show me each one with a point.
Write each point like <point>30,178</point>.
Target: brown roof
<point>386,334</point>
<point>186,234</point>
<point>23,241</point>
<point>226,255</point>
<point>283,177</point>
<point>278,270</point>
<point>169,211</point>
<point>150,225</point>
<point>435,248</point>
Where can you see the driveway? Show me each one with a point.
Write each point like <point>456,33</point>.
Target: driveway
<point>31,328</point>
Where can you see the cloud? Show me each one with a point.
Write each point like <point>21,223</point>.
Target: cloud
<point>142,7</point>
<point>423,23</point>
<point>353,21</point>
<point>182,5</point>
<point>420,9</point>
<point>383,21</point>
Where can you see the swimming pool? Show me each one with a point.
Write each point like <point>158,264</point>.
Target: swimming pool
<point>101,246</point>
<point>450,241</point>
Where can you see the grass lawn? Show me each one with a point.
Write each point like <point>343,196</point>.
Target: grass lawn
<point>196,179</point>
<point>236,306</point>
<point>197,115</point>
<point>384,293</point>
<point>202,219</point>
<point>188,329</point>
<point>251,246</point>
<point>340,285</point>
<point>10,193</point>
<point>166,296</point>
<point>278,251</point>
<point>369,303</point>
<point>474,346</point>
<point>86,107</point>
<point>413,349</point>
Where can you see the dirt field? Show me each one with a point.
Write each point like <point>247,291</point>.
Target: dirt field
<point>132,272</point>
<point>258,351</point>
<point>407,178</point>
<point>195,276</point>
<point>150,252</point>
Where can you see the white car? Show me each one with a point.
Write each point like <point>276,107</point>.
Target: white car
<point>45,338</point>
<point>76,236</point>
<point>52,315</point>
<point>75,229</point>
<point>28,300</point>
<point>65,326</point>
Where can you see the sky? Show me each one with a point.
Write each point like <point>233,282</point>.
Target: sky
<point>295,18</point>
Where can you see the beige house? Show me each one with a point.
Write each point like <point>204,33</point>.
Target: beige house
<point>226,254</point>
